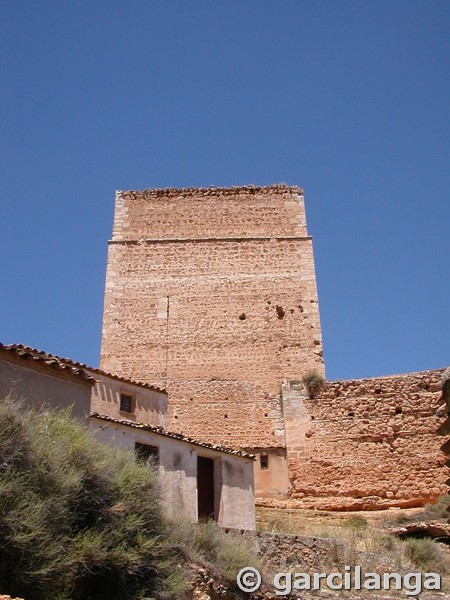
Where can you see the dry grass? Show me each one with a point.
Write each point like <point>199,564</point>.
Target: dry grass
<point>436,511</point>
<point>205,544</point>
<point>365,542</point>
<point>309,522</point>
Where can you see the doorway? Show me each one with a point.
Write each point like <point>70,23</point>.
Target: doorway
<point>205,488</point>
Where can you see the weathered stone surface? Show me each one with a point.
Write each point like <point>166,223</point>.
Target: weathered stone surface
<point>212,294</point>
<point>345,503</point>
<point>365,444</point>
<point>434,529</point>
<point>443,410</point>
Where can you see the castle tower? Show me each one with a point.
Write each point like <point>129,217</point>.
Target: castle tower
<point>211,293</point>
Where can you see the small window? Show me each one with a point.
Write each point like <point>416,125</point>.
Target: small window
<point>126,403</point>
<point>147,454</point>
<point>264,462</point>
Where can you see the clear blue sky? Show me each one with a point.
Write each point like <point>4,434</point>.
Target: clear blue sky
<point>348,99</point>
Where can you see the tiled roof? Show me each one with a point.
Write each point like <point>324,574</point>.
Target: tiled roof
<point>176,436</point>
<point>38,356</point>
<point>68,364</point>
<point>149,386</point>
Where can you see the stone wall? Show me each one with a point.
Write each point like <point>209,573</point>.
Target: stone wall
<point>287,550</point>
<point>211,293</point>
<point>365,443</point>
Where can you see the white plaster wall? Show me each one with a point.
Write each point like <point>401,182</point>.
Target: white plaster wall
<point>177,463</point>
<point>38,387</point>
<point>273,481</point>
<point>178,472</point>
<point>237,505</point>
<point>150,406</point>
<point>234,491</point>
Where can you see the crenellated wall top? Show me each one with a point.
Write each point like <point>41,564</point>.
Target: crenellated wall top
<point>280,188</point>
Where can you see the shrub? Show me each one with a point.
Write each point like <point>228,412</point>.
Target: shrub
<point>224,554</point>
<point>385,541</point>
<point>78,519</point>
<point>425,554</point>
<point>313,382</point>
<point>356,523</point>
<point>439,508</point>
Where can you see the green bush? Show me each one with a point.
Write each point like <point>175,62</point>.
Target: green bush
<point>313,382</point>
<point>439,508</point>
<point>385,541</point>
<point>425,554</point>
<point>224,554</point>
<point>356,523</point>
<point>78,519</point>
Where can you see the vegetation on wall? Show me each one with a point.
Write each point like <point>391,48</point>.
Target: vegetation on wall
<point>313,382</point>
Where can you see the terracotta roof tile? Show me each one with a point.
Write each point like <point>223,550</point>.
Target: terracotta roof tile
<point>77,368</point>
<point>38,356</point>
<point>177,436</point>
<point>148,386</point>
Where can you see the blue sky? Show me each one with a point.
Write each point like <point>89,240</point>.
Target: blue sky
<point>347,99</point>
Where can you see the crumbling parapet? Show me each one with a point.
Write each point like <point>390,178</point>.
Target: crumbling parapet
<point>365,444</point>
<point>444,410</point>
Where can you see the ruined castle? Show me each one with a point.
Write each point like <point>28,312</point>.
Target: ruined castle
<point>211,293</point>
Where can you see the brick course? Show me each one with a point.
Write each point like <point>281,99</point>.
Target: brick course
<point>212,294</point>
<point>366,438</point>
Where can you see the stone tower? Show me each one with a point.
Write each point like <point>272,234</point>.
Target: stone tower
<point>211,293</point>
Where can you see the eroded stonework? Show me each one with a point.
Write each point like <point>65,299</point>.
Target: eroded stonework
<point>212,294</point>
<point>365,443</point>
